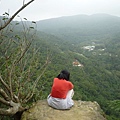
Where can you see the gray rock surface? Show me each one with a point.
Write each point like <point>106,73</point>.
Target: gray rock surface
<point>82,110</point>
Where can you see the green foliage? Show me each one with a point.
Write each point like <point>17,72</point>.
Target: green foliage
<point>113,108</point>
<point>19,61</point>
<point>98,79</point>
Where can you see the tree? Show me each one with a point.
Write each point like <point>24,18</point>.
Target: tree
<point>18,64</point>
<point>14,15</point>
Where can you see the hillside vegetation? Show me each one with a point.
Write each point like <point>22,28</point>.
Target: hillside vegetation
<point>73,38</point>
<point>94,42</point>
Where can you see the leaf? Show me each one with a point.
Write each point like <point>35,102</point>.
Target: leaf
<point>7,13</point>
<point>16,23</point>
<point>32,27</point>
<point>17,36</point>
<point>4,18</point>
<point>25,18</point>
<point>11,30</point>
<point>34,22</point>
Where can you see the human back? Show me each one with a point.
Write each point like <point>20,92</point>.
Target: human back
<point>60,88</point>
<point>61,92</point>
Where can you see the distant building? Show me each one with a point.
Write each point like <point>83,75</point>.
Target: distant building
<point>90,48</point>
<point>77,63</point>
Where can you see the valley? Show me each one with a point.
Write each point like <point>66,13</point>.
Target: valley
<point>87,46</point>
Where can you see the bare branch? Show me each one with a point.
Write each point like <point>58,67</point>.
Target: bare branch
<point>10,81</point>
<point>7,23</point>
<point>15,107</point>
<point>4,112</point>
<point>5,96</point>
<point>4,101</point>
<point>3,82</point>
<point>24,53</point>
<point>16,98</point>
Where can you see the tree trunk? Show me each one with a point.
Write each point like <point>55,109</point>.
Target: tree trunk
<point>17,116</point>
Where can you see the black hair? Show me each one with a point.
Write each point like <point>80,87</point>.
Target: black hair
<point>64,74</point>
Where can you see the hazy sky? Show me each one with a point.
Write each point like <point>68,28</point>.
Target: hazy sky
<point>44,9</point>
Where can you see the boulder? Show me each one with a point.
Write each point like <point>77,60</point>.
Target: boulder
<point>82,110</point>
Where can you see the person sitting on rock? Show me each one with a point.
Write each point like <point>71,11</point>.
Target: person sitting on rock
<point>61,92</point>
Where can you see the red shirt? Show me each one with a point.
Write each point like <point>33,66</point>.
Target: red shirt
<point>60,88</point>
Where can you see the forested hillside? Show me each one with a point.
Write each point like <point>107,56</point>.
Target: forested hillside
<point>91,41</point>
<point>94,41</point>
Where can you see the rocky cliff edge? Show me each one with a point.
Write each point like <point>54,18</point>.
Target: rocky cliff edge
<point>82,110</point>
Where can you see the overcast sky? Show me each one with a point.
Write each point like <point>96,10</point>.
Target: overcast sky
<point>44,9</point>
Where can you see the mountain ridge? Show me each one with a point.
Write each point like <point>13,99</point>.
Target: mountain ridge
<point>72,28</point>
<point>82,15</point>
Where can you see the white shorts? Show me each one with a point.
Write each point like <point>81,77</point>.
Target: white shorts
<point>58,103</point>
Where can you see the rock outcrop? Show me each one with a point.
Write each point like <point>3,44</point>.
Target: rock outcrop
<point>82,110</point>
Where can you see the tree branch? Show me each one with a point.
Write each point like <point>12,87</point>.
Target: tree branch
<point>10,81</point>
<point>4,112</point>
<point>23,53</point>
<point>4,95</point>
<point>15,107</point>
<point>2,27</point>
<point>3,82</point>
<point>4,101</point>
